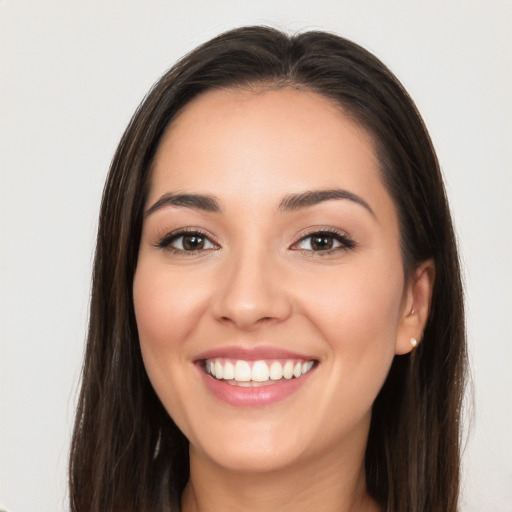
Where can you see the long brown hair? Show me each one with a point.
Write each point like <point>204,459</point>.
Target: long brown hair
<point>126,452</point>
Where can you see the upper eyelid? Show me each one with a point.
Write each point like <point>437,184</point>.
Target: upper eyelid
<point>324,230</point>
<point>346,241</point>
<point>186,231</point>
<point>336,233</point>
<point>180,232</point>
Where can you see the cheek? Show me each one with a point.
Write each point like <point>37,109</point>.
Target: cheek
<point>356,302</point>
<point>358,319</point>
<point>357,312</point>
<point>167,306</point>
<point>167,310</point>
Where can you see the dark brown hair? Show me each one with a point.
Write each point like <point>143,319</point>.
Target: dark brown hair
<point>126,452</point>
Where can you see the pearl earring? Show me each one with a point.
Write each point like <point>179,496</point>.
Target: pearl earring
<point>414,342</point>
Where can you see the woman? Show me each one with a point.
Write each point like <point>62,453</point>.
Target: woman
<point>276,317</point>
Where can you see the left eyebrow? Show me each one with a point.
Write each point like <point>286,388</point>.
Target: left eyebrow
<point>294,202</point>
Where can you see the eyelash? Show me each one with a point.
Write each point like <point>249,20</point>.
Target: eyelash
<point>346,243</point>
<point>168,239</point>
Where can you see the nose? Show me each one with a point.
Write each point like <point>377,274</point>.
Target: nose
<point>251,293</point>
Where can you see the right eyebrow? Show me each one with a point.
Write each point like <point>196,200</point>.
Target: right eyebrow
<point>196,201</point>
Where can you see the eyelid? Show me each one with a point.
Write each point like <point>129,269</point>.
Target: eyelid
<point>346,241</point>
<point>164,242</point>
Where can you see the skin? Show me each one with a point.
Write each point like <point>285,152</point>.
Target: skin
<point>258,281</point>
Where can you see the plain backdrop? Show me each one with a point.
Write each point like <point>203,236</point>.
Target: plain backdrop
<point>73,72</point>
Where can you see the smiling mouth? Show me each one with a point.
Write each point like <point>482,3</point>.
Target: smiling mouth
<point>239,372</point>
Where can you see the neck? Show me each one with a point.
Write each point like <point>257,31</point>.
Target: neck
<point>324,484</point>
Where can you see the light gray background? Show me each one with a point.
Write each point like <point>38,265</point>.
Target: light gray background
<point>73,72</point>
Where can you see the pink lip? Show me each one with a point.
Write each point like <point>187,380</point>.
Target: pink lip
<point>253,396</point>
<point>251,354</point>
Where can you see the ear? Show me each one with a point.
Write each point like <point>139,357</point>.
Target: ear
<point>416,306</point>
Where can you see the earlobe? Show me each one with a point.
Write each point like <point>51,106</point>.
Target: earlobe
<point>416,307</point>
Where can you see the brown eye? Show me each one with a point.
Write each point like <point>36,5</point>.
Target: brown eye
<point>324,242</point>
<point>192,241</point>
<point>321,242</point>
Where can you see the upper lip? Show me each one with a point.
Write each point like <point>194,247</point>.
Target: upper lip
<point>251,354</point>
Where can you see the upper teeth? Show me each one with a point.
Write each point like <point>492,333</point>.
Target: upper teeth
<point>256,371</point>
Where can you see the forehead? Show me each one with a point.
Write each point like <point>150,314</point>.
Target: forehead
<point>255,146</point>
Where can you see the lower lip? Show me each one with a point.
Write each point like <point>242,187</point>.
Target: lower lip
<point>253,396</point>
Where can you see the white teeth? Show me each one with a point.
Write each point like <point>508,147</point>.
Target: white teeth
<point>218,369</point>
<point>256,372</point>
<point>276,371</point>
<point>260,371</point>
<point>305,367</point>
<point>229,371</point>
<point>245,384</point>
<point>288,370</point>
<point>242,371</point>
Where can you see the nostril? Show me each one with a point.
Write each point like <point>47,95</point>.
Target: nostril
<point>260,320</point>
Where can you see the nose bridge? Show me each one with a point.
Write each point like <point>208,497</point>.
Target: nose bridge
<point>251,291</point>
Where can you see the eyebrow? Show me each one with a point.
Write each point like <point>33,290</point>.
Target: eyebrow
<point>294,202</point>
<point>196,201</point>
<point>290,203</point>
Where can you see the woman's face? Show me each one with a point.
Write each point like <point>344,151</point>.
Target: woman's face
<point>269,291</point>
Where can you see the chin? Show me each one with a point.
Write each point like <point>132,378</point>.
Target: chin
<point>249,450</point>
<point>253,460</point>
